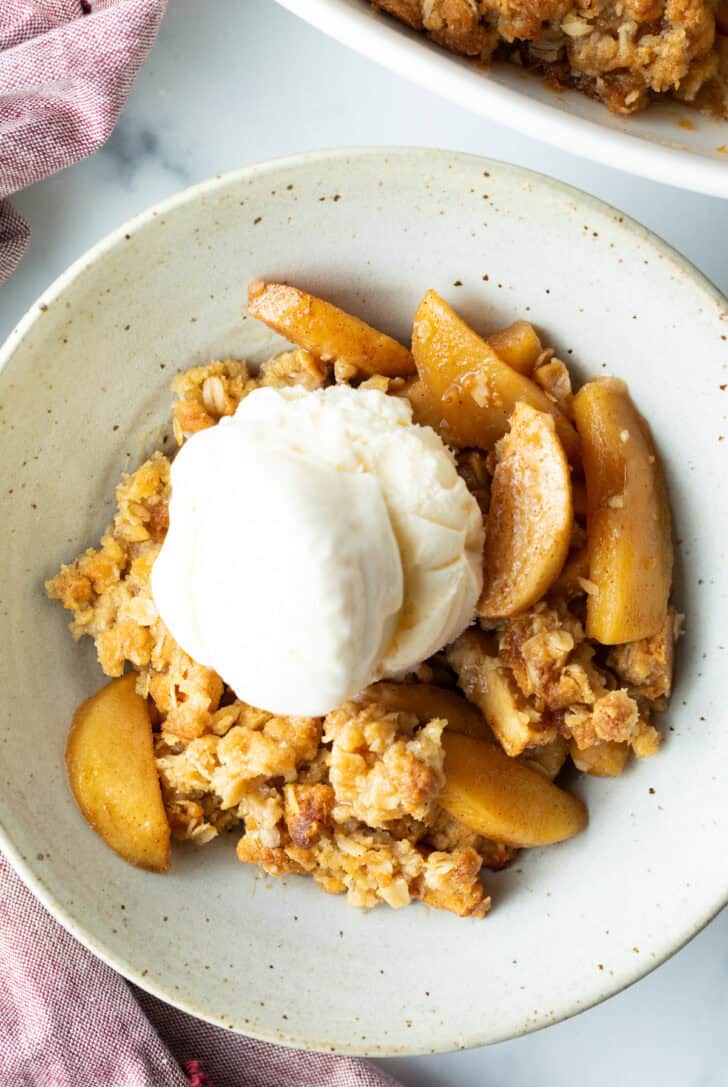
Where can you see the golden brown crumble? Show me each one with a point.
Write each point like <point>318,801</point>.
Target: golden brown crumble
<point>206,393</point>
<point>623,54</point>
<point>383,766</point>
<point>351,807</point>
<point>294,368</point>
<point>646,666</point>
<point>255,774</point>
<point>108,591</point>
<point>447,834</point>
<point>352,799</point>
<point>553,377</point>
<point>308,812</point>
<point>536,678</point>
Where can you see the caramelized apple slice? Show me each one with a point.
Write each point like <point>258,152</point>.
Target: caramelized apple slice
<point>502,799</point>
<point>629,533</point>
<point>490,685</point>
<point>425,410</point>
<point>518,345</point>
<point>327,331</point>
<point>574,576</point>
<point>578,488</point>
<point>113,776</point>
<point>548,759</point>
<point>530,516</point>
<point>604,760</point>
<point>427,701</point>
<point>469,386</point>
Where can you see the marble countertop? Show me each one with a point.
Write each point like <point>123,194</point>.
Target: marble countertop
<point>231,83</point>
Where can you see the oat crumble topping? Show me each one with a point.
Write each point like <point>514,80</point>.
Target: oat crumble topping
<point>352,799</point>
<point>624,53</point>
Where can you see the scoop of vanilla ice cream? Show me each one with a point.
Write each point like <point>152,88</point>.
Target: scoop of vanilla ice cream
<point>317,541</point>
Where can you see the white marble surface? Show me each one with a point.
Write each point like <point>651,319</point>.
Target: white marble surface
<point>239,81</point>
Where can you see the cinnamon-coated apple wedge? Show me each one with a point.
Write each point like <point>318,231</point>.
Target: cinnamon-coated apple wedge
<point>548,759</point>
<point>518,345</point>
<point>113,776</point>
<point>425,410</point>
<point>327,331</point>
<point>489,685</point>
<point>604,760</point>
<point>469,386</point>
<point>502,799</point>
<point>629,533</point>
<point>528,528</point>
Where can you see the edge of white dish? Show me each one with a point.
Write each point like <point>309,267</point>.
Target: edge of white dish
<point>408,54</point>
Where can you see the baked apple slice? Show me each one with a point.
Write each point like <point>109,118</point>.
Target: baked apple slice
<point>549,759</point>
<point>604,760</point>
<point>518,345</point>
<point>502,799</point>
<point>528,528</point>
<point>113,775</point>
<point>470,387</point>
<point>490,685</point>
<point>328,332</point>
<point>425,411</point>
<point>629,533</point>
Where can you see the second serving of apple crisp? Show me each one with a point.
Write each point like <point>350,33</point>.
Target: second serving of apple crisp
<point>625,54</point>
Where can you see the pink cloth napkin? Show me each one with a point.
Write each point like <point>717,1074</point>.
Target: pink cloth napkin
<point>66,68</point>
<point>68,1020</point>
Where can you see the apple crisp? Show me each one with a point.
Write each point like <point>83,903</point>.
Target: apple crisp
<point>373,800</point>
<point>623,54</point>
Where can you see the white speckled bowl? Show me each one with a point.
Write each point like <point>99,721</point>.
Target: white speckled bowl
<point>83,391</point>
<point>669,142</point>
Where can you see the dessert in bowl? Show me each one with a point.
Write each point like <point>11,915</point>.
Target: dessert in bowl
<point>211,934</point>
<point>379,554</point>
